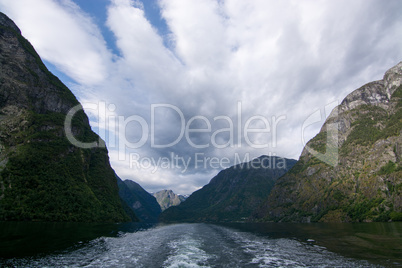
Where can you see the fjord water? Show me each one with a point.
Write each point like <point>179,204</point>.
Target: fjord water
<point>201,245</point>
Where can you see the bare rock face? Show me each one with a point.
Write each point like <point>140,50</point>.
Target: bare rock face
<point>373,93</point>
<point>167,198</point>
<point>7,23</point>
<point>26,82</point>
<point>42,175</point>
<point>360,177</point>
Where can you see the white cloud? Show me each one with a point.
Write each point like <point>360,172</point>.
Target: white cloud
<point>145,60</point>
<point>279,58</point>
<point>63,35</point>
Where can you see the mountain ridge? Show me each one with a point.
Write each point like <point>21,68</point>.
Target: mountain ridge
<point>365,183</point>
<point>233,194</point>
<point>43,177</point>
<point>142,203</point>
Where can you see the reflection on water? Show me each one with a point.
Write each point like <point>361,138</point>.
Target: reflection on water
<point>19,239</point>
<point>201,245</point>
<point>379,243</point>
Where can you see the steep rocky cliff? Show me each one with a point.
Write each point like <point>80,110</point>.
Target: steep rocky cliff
<point>42,175</point>
<point>233,194</point>
<point>167,198</point>
<point>351,171</point>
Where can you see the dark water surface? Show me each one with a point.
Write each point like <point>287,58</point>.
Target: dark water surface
<point>27,244</point>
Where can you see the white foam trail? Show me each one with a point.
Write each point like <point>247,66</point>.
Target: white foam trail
<point>192,245</point>
<point>187,252</point>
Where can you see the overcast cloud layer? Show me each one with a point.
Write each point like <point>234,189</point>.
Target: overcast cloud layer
<point>280,60</point>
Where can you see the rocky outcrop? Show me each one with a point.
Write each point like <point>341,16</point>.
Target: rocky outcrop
<point>167,198</point>
<point>351,171</point>
<point>42,175</point>
<point>233,194</point>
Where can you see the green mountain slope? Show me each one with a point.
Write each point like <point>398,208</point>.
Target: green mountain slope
<point>233,194</point>
<point>365,183</point>
<point>43,176</point>
<point>142,203</point>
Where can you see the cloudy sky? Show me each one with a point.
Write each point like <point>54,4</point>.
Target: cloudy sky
<point>185,88</point>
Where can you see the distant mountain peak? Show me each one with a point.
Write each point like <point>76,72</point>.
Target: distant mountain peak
<point>167,198</point>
